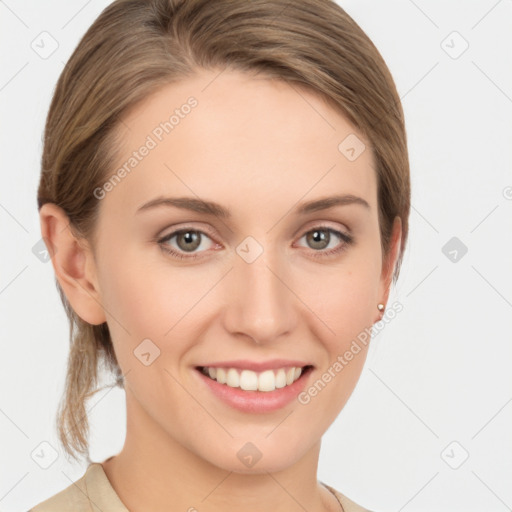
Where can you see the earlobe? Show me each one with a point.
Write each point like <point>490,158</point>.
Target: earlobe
<point>73,263</point>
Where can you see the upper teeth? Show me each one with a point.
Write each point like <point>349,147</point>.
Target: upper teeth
<point>252,381</point>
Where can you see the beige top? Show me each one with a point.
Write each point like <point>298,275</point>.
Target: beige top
<point>94,493</point>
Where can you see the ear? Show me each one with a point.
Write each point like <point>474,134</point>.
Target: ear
<point>389,263</point>
<point>73,263</point>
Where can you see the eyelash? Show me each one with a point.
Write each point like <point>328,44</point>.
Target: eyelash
<point>346,238</point>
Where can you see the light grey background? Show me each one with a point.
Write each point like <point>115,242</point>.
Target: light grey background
<point>436,387</point>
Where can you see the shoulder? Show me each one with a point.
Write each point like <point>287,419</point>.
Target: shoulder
<point>348,504</point>
<point>74,497</point>
<point>90,492</point>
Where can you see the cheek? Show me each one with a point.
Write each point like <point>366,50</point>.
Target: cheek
<point>344,303</point>
<point>347,311</point>
<point>147,298</point>
<point>132,298</point>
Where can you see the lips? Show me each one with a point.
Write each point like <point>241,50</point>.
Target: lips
<point>264,399</point>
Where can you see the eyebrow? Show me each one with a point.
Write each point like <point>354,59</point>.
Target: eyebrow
<point>212,208</point>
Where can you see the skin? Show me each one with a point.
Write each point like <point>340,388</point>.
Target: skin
<point>258,147</point>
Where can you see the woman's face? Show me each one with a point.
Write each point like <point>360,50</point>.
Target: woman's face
<point>263,287</point>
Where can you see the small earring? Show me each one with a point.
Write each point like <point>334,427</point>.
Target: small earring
<point>380,307</point>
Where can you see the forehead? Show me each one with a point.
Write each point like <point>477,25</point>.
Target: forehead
<point>223,134</point>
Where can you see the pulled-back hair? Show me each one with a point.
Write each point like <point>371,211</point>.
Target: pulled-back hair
<point>134,48</point>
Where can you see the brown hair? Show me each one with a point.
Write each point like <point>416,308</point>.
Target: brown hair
<point>137,46</point>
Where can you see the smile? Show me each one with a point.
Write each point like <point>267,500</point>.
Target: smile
<point>248,380</point>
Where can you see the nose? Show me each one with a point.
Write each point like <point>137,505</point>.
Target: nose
<point>260,302</point>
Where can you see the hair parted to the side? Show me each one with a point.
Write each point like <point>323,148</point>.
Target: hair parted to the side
<point>137,46</point>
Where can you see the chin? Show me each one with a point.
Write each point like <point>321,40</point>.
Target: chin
<point>252,458</point>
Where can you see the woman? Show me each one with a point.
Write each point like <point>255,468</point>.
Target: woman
<point>269,136</point>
